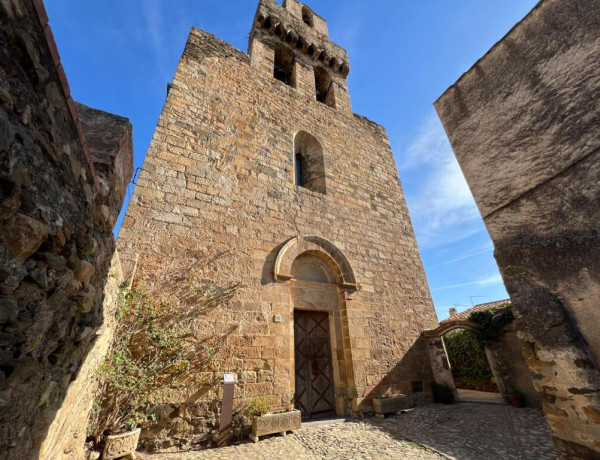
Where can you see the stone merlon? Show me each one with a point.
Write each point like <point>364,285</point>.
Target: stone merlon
<point>313,42</point>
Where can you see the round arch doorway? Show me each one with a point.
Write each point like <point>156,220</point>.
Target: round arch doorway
<point>318,277</point>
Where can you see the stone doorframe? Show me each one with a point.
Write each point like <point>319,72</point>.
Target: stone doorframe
<point>329,298</point>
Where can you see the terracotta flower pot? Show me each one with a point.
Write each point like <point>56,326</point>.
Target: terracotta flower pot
<point>516,400</point>
<point>121,445</point>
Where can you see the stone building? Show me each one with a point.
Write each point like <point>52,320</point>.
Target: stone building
<point>64,170</point>
<point>258,157</point>
<point>523,123</point>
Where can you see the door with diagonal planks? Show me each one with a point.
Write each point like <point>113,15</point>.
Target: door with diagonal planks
<point>314,393</point>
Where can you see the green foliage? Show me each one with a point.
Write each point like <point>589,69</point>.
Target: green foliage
<point>466,349</point>
<point>466,353</point>
<point>442,393</point>
<point>258,406</point>
<point>490,323</point>
<point>156,348</point>
<point>148,356</point>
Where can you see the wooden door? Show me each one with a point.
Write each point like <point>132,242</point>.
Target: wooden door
<point>314,395</point>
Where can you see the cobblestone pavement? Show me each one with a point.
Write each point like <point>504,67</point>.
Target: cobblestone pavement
<point>480,431</point>
<point>460,431</point>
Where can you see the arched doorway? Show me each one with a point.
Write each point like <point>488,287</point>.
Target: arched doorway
<point>318,277</point>
<point>470,366</point>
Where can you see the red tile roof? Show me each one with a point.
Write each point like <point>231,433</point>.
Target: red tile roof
<point>464,315</point>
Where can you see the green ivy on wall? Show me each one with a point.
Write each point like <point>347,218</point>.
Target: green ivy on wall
<point>470,368</point>
<point>490,323</point>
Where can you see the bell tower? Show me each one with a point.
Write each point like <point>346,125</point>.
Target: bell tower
<point>258,157</point>
<point>292,43</point>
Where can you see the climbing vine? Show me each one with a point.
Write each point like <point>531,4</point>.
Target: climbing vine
<point>490,323</point>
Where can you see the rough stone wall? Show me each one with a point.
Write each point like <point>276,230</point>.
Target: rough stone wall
<point>219,174</point>
<point>110,142</point>
<point>523,123</point>
<point>440,365</point>
<point>66,436</point>
<point>56,238</point>
<point>509,367</point>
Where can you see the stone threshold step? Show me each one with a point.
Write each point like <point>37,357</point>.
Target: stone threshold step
<point>479,401</point>
<point>326,421</point>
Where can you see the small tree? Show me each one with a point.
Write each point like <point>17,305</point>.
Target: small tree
<point>156,347</point>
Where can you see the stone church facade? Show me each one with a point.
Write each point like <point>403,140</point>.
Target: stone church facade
<point>258,157</point>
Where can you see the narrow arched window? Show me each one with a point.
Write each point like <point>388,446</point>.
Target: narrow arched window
<point>324,87</point>
<point>309,162</point>
<point>299,166</point>
<point>307,17</point>
<point>284,68</point>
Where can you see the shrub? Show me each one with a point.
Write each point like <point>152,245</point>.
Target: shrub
<point>258,406</point>
<point>155,347</point>
<point>490,323</point>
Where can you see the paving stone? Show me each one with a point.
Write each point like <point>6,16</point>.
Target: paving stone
<point>461,431</point>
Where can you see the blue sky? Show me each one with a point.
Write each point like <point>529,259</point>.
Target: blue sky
<point>120,55</point>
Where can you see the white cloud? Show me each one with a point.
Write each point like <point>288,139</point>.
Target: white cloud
<point>443,210</point>
<point>488,281</point>
<point>154,24</point>
<point>430,145</point>
<point>162,25</point>
<point>488,248</point>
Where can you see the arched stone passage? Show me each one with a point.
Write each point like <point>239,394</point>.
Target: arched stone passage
<point>318,245</point>
<point>436,349</point>
<point>446,327</point>
<point>504,357</point>
<point>307,16</point>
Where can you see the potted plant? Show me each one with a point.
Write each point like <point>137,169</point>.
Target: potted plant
<point>390,404</point>
<point>121,445</point>
<point>515,398</point>
<point>264,422</point>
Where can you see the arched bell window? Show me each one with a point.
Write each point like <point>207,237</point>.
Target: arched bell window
<point>284,68</point>
<point>324,87</point>
<point>307,17</point>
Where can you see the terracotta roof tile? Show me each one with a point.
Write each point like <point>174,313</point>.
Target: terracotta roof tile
<point>464,315</point>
